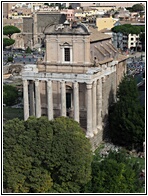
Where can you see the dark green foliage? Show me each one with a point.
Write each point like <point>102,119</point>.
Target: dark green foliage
<point>114,174</point>
<point>10,95</point>
<point>10,59</point>
<point>127,121</point>
<point>31,148</point>
<point>70,165</point>
<point>52,5</point>
<point>70,7</point>
<point>28,50</point>
<point>47,4</point>
<point>128,29</point>
<point>137,8</point>
<point>47,156</point>
<point>10,30</point>
<point>129,9</point>
<point>142,39</point>
<point>10,113</point>
<point>8,42</point>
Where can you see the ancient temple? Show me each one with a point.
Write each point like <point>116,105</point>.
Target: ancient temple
<point>78,78</point>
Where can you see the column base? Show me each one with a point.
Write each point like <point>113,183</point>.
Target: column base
<point>99,127</point>
<point>95,131</point>
<point>89,135</point>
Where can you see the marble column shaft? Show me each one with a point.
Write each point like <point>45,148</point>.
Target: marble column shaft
<point>99,104</point>
<point>50,100</point>
<point>38,99</point>
<point>63,99</point>
<point>25,97</point>
<point>89,132</point>
<point>31,93</point>
<point>94,124</point>
<point>76,101</point>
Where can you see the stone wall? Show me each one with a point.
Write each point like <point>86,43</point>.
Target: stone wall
<point>79,50</point>
<point>46,19</point>
<point>96,140</point>
<point>121,69</point>
<point>28,25</point>
<point>15,22</point>
<point>108,93</point>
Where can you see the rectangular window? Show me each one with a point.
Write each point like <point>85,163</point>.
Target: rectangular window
<point>67,54</point>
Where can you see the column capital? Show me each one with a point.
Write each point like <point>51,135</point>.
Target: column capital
<point>49,82</point>
<point>36,82</point>
<point>75,84</point>
<point>25,81</point>
<point>88,85</point>
<point>99,81</point>
<point>62,82</point>
<point>103,79</point>
<point>94,83</point>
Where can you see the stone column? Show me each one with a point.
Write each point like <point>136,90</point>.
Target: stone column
<point>25,97</point>
<point>76,101</point>
<point>31,93</point>
<point>103,99</point>
<point>63,99</point>
<point>49,100</point>
<point>94,109</point>
<point>99,103</point>
<point>89,132</point>
<point>38,99</point>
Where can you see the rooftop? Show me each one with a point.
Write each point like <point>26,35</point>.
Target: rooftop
<point>96,35</point>
<point>66,28</point>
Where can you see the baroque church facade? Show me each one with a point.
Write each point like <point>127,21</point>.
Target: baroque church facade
<point>77,78</point>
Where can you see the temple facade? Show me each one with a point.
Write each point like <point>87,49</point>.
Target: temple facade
<point>77,78</point>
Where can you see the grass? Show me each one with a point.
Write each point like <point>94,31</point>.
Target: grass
<point>10,113</point>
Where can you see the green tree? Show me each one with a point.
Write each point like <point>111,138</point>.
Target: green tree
<point>70,7</point>
<point>28,50</point>
<point>129,9</point>
<point>142,39</point>
<point>8,42</point>
<point>127,29</point>
<point>52,5</point>
<point>47,156</point>
<point>24,167</point>
<point>71,167</point>
<point>114,174</point>
<point>126,117</point>
<point>47,4</point>
<point>10,59</point>
<point>10,95</point>
<point>137,8</point>
<point>9,30</point>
